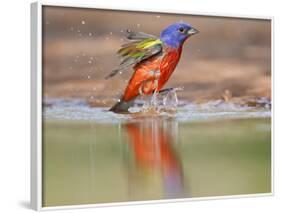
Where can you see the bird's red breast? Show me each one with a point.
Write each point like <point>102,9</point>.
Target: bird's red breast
<point>152,74</point>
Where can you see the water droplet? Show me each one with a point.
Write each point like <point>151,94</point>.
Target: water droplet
<point>110,33</point>
<point>120,72</point>
<point>78,31</point>
<point>89,77</point>
<point>83,22</point>
<point>138,25</point>
<point>158,16</point>
<point>89,62</point>
<point>90,34</point>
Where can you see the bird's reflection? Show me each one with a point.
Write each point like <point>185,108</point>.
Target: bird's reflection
<point>152,142</point>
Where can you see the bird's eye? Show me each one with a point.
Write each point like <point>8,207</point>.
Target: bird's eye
<point>181,29</point>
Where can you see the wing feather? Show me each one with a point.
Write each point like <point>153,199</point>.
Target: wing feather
<point>141,48</point>
<point>132,35</point>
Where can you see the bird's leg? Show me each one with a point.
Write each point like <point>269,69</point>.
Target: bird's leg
<point>146,86</point>
<point>154,101</point>
<point>141,90</point>
<point>142,96</point>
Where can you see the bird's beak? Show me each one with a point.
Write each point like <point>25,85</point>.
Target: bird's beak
<point>192,31</point>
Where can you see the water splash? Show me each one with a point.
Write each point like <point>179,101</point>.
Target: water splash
<point>78,109</point>
<point>162,101</point>
<point>170,101</point>
<point>154,100</point>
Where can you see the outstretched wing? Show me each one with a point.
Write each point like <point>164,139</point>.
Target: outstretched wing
<point>141,48</point>
<point>132,35</point>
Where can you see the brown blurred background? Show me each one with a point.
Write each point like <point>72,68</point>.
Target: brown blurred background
<point>229,59</point>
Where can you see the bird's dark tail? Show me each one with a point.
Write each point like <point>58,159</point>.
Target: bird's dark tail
<point>122,106</point>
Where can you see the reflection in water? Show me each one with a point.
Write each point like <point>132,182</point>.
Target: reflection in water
<point>151,142</point>
<point>154,158</point>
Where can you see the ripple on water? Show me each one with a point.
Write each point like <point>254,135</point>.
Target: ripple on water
<point>79,110</point>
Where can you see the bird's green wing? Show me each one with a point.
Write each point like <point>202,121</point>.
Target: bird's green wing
<point>141,48</point>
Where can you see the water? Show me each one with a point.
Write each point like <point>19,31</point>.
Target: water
<point>91,155</point>
<point>76,109</point>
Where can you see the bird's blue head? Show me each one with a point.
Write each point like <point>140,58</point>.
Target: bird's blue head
<point>175,34</point>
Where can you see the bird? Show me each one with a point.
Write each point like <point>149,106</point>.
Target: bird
<point>153,60</point>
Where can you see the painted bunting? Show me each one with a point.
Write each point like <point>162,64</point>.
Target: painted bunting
<point>153,60</point>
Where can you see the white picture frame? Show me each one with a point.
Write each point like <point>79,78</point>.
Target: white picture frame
<point>36,101</point>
